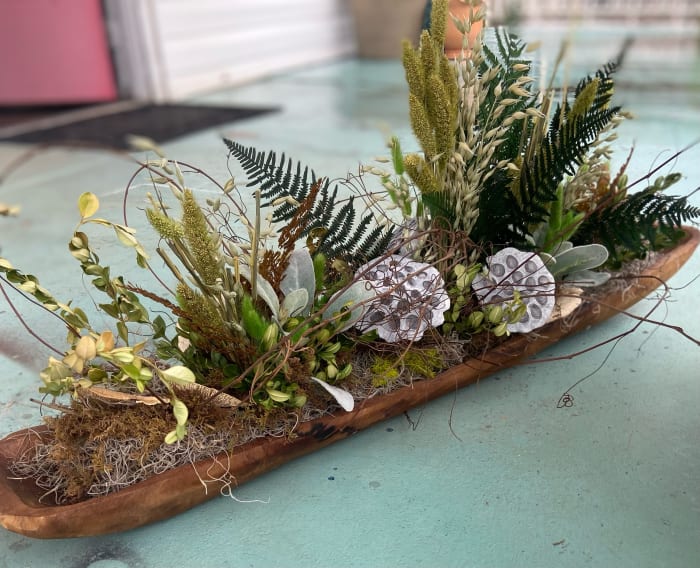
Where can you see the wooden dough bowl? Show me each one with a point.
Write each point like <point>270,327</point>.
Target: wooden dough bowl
<point>180,489</point>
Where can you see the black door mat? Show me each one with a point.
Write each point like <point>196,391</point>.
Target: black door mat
<point>17,115</point>
<point>161,123</point>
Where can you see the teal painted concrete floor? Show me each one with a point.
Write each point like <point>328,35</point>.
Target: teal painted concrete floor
<point>492,476</point>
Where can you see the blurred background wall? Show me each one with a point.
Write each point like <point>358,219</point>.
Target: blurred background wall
<point>54,52</point>
<point>168,49</point>
<point>77,51</point>
<point>623,11</point>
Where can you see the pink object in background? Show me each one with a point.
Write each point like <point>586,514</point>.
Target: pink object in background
<point>54,52</point>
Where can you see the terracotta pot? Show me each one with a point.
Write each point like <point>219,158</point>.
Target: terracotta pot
<point>381,26</point>
<point>462,10</point>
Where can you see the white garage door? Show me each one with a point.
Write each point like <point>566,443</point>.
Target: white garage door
<point>170,49</point>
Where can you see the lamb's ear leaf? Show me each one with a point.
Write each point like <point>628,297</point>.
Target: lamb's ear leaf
<point>548,260</point>
<point>587,278</point>
<point>265,290</point>
<point>583,257</point>
<point>353,299</point>
<point>294,303</point>
<point>562,247</point>
<point>300,274</point>
<point>344,398</point>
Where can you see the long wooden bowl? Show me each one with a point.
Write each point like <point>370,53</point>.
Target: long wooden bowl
<point>175,491</point>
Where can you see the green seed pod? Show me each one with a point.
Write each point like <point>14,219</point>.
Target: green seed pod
<point>501,329</point>
<point>518,314</point>
<point>269,339</point>
<point>333,348</point>
<point>326,356</point>
<point>475,319</point>
<point>319,262</point>
<point>344,373</point>
<point>322,336</point>
<point>253,323</point>
<point>291,323</point>
<point>278,396</point>
<point>495,314</point>
<point>331,371</point>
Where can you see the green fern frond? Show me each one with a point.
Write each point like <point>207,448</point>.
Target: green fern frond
<point>512,203</point>
<point>644,221</point>
<point>440,206</point>
<point>511,67</point>
<point>279,178</point>
<point>374,244</point>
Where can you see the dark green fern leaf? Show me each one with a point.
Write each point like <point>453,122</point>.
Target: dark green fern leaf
<point>279,178</point>
<point>343,221</point>
<point>644,221</point>
<point>322,214</point>
<point>507,59</point>
<point>275,178</point>
<point>374,244</point>
<point>339,247</point>
<point>507,210</point>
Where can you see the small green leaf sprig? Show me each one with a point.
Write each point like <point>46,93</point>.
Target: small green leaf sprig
<point>398,186</point>
<point>94,357</point>
<point>489,317</point>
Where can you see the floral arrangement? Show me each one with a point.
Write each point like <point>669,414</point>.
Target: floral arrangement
<point>327,293</point>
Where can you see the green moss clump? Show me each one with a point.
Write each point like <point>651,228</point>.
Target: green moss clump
<point>383,371</point>
<point>424,362</point>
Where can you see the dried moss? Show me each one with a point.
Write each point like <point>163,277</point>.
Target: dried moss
<point>79,453</point>
<point>384,371</point>
<point>424,362</point>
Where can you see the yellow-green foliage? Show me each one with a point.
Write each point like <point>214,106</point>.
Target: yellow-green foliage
<point>438,21</point>
<point>421,173</point>
<point>442,112</point>
<point>384,371</point>
<point>433,102</point>
<point>422,128</point>
<point>165,226</point>
<point>585,99</point>
<point>424,362</point>
<point>198,306</point>
<point>413,70</point>
<point>199,240</point>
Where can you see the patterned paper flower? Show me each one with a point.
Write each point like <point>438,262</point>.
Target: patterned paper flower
<point>511,269</point>
<point>410,298</point>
